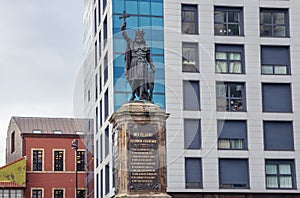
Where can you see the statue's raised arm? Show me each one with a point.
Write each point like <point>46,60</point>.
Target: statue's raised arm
<point>124,34</point>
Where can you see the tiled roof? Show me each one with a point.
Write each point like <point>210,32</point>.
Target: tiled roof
<point>48,125</point>
<point>10,185</point>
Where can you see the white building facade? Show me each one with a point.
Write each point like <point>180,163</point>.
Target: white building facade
<point>226,71</point>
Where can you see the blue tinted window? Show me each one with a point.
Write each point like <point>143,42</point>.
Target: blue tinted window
<point>158,59</point>
<point>156,8</point>
<point>144,7</point>
<point>119,45</point>
<point>118,6</point>
<point>157,22</point>
<point>147,35</point>
<point>157,35</point>
<point>158,44</point>
<point>121,85</point>
<point>144,21</point>
<point>118,72</point>
<point>132,22</point>
<point>159,73</point>
<point>116,31</point>
<point>159,65</point>
<point>159,99</point>
<point>131,7</point>
<point>117,22</point>
<point>155,50</point>
<point>120,99</point>
<point>159,87</point>
<point>119,61</point>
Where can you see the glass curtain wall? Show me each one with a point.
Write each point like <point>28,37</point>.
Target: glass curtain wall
<point>146,15</point>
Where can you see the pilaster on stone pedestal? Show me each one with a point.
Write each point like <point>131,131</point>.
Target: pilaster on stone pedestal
<point>139,150</point>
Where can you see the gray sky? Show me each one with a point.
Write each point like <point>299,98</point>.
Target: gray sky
<point>40,57</point>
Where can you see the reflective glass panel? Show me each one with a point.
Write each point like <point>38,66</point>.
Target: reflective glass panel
<point>266,69</point>
<point>235,56</point>
<point>285,182</point>
<point>272,182</point>
<point>284,169</point>
<point>220,17</point>
<point>279,31</point>
<point>235,67</point>
<point>279,18</point>
<point>221,55</point>
<point>280,69</point>
<point>221,67</point>
<point>271,169</point>
<point>266,18</point>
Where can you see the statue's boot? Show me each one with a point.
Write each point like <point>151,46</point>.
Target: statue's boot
<point>132,98</point>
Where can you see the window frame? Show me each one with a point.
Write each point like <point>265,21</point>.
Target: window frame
<point>274,11</point>
<point>191,8</point>
<point>228,97</point>
<point>265,108</point>
<point>106,105</point>
<point>105,33</point>
<point>81,165</point>
<point>59,190</point>
<point>221,123</point>
<point>195,68</point>
<point>55,165</point>
<point>96,119</point>
<point>187,144</point>
<point>291,143</point>
<point>81,191</point>
<point>107,179</point>
<point>231,186</point>
<point>185,83</point>
<point>105,71</point>
<point>32,159</point>
<point>12,141</point>
<point>229,49</point>
<point>41,190</point>
<point>279,162</point>
<point>95,21</point>
<point>266,63</point>
<point>226,23</point>
<point>106,141</point>
<point>186,169</point>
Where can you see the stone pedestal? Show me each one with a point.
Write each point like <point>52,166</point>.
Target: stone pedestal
<point>139,150</point>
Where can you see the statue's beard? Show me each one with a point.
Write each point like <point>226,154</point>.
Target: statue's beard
<point>139,41</point>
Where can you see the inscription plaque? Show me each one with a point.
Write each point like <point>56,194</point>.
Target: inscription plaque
<point>143,156</point>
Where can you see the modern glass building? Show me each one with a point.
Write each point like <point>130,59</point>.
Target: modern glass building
<point>226,71</point>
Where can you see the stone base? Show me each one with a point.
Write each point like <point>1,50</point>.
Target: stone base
<point>139,131</point>
<point>143,195</point>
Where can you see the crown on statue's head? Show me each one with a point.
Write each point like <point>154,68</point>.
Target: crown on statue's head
<point>140,33</point>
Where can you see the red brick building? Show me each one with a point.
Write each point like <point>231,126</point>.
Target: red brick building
<point>51,163</point>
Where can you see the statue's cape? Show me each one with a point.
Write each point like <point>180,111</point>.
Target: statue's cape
<point>127,58</point>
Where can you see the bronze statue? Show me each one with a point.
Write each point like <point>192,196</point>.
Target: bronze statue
<point>138,58</point>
